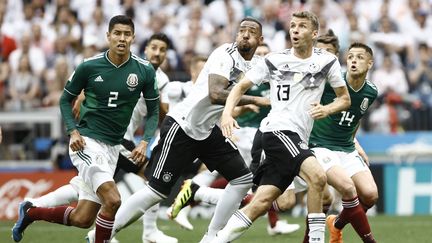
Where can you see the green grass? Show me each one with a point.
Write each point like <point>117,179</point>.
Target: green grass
<point>415,229</point>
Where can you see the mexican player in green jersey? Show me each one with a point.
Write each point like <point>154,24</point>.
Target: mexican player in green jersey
<point>332,139</point>
<point>112,82</point>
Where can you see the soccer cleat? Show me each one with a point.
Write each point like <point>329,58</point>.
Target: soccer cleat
<point>23,221</point>
<point>335,234</point>
<point>182,218</point>
<point>183,198</point>
<point>158,237</point>
<point>282,227</point>
<point>91,237</point>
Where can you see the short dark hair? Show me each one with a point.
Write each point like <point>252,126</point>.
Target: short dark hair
<point>160,36</point>
<point>121,19</point>
<point>310,16</point>
<point>363,46</point>
<point>252,20</point>
<point>329,38</point>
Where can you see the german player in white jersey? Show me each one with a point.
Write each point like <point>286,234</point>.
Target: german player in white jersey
<point>190,131</point>
<point>297,78</point>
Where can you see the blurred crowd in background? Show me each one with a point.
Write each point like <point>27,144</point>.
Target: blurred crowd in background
<point>42,41</point>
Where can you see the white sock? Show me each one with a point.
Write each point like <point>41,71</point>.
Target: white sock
<point>61,196</point>
<point>205,178</point>
<point>229,202</point>
<point>208,194</point>
<point>316,223</point>
<point>150,218</point>
<point>134,207</point>
<point>236,226</point>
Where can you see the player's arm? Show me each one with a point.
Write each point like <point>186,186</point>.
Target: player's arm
<point>228,123</point>
<point>218,93</point>
<point>151,97</point>
<point>73,88</point>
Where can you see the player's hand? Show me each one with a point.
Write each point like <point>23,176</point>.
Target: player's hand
<point>252,108</point>
<point>318,111</point>
<point>76,142</point>
<point>228,123</point>
<point>139,153</point>
<point>364,156</point>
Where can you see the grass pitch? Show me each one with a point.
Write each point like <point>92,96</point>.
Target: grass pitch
<point>387,229</point>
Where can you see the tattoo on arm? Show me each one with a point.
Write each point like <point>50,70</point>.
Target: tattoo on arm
<point>218,91</point>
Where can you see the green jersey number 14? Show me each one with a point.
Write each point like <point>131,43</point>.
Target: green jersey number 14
<point>346,117</point>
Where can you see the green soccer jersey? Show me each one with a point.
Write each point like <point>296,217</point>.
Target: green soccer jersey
<point>336,132</point>
<point>111,93</point>
<point>252,119</point>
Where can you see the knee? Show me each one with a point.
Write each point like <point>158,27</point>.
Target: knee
<point>260,205</point>
<point>112,204</point>
<point>347,189</point>
<point>81,220</point>
<point>318,180</point>
<point>369,198</point>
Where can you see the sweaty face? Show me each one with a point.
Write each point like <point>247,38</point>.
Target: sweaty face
<point>301,32</point>
<point>328,47</point>
<point>120,39</point>
<point>358,61</point>
<point>155,52</point>
<point>248,36</point>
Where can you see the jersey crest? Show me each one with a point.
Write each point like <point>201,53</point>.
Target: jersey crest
<point>132,81</point>
<point>364,105</point>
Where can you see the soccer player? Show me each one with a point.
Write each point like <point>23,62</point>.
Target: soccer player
<point>196,190</point>
<point>297,78</point>
<point>112,82</point>
<point>189,131</point>
<point>332,140</point>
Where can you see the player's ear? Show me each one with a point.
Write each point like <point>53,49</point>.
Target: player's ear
<point>370,63</point>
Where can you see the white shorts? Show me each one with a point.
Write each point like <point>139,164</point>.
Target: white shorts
<point>352,162</point>
<point>298,185</point>
<point>243,138</point>
<point>326,158</point>
<point>96,164</point>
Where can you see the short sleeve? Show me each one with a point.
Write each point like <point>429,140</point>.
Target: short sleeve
<point>259,73</point>
<point>334,76</point>
<point>220,63</point>
<point>78,80</point>
<point>150,89</point>
<point>163,83</point>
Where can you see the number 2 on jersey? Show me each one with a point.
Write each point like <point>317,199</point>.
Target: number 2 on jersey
<point>113,97</point>
<point>283,92</point>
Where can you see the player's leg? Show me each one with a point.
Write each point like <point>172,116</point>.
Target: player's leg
<point>273,176</point>
<point>315,178</point>
<point>61,196</point>
<point>222,155</point>
<point>174,151</point>
<point>283,203</point>
<point>366,188</point>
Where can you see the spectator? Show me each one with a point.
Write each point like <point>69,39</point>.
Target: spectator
<point>23,87</point>
<point>35,54</point>
<point>55,79</point>
<point>420,75</point>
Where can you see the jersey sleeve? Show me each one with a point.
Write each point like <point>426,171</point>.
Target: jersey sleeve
<point>334,76</point>
<point>150,89</point>
<point>163,83</point>
<point>259,73</point>
<point>77,81</point>
<point>221,63</point>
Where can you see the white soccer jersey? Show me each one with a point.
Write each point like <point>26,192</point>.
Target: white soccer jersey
<point>177,91</point>
<point>140,110</point>
<point>196,114</point>
<point>294,85</point>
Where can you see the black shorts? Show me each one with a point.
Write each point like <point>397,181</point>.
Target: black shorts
<point>176,151</point>
<point>123,162</point>
<point>285,152</point>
